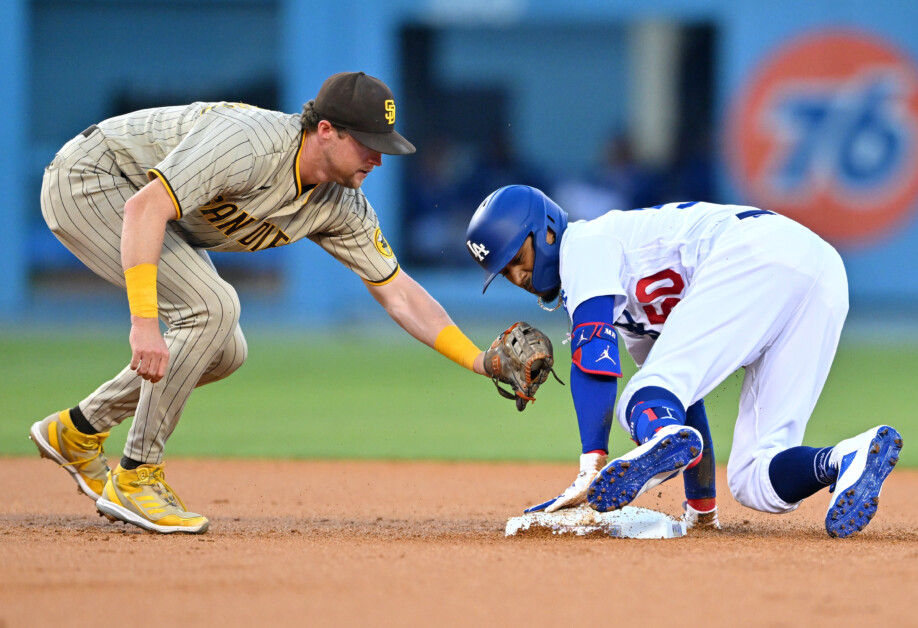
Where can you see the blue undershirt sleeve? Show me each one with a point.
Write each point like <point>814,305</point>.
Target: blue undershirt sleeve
<point>595,370</point>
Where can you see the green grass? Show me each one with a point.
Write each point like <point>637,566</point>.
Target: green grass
<point>318,396</point>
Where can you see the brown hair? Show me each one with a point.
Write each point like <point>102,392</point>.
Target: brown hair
<point>310,119</point>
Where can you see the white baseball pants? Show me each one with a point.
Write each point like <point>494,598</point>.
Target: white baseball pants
<point>771,296</point>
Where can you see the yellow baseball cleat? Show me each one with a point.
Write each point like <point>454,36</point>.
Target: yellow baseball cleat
<point>80,454</point>
<point>141,497</point>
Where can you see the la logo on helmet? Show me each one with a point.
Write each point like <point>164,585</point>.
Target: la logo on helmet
<point>478,250</point>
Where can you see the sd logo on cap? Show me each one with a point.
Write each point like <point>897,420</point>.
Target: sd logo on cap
<point>364,106</point>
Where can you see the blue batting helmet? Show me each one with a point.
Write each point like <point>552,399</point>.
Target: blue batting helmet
<point>501,225</point>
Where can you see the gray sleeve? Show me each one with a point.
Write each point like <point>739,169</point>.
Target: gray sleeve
<point>355,239</point>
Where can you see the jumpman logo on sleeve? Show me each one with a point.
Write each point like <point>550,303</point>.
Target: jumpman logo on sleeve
<point>605,356</point>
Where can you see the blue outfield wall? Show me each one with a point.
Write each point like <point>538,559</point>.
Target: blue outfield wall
<point>14,21</point>
<point>861,110</point>
<point>787,148</point>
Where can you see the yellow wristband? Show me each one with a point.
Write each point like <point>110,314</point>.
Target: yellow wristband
<point>456,346</point>
<point>141,290</point>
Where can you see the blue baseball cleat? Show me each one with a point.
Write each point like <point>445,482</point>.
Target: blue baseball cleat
<point>863,462</point>
<point>671,450</point>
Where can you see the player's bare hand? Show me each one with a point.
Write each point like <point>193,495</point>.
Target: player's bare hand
<point>149,354</point>
<point>590,466</point>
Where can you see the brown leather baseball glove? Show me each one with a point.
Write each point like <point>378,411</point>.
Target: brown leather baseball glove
<point>522,356</point>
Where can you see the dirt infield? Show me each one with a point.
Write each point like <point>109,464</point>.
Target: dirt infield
<point>421,544</point>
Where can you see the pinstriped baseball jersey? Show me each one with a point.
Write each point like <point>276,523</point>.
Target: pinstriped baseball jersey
<point>232,172</point>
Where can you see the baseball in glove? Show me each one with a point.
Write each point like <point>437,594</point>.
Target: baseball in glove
<point>522,357</point>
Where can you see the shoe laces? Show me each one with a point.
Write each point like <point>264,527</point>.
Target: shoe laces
<point>86,442</point>
<point>82,462</point>
<point>156,480</point>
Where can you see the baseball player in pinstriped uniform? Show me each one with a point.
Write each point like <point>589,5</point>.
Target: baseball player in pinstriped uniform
<point>142,197</point>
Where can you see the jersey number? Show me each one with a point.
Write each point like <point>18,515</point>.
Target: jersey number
<point>666,283</point>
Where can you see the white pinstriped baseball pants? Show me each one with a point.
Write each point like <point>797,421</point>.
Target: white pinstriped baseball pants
<point>82,200</point>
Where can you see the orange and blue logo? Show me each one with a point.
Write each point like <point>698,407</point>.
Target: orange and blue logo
<point>826,132</point>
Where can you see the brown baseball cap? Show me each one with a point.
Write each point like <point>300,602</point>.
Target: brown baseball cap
<point>365,107</point>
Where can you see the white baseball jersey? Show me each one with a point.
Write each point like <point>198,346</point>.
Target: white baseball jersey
<point>702,290</point>
<point>645,258</point>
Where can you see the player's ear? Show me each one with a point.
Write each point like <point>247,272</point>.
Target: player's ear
<point>326,129</point>
<point>549,235</point>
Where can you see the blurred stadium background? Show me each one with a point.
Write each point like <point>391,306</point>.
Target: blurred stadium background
<point>809,108</point>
